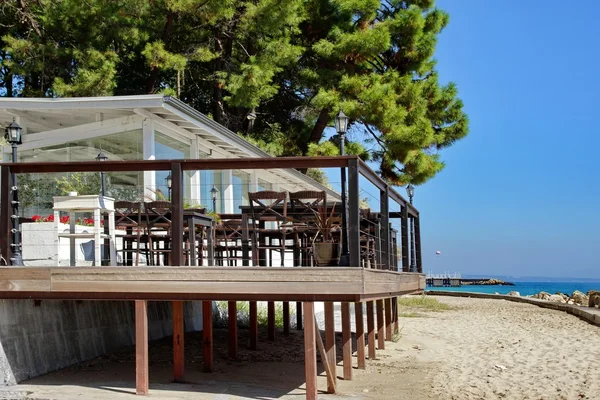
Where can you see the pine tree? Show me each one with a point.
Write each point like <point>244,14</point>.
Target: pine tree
<point>292,63</point>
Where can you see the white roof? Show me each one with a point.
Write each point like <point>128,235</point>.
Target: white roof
<point>49,116</point>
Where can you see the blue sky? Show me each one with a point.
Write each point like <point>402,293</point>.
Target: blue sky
<point>520,195</point>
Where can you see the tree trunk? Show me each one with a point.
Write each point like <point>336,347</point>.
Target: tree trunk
<point>320,125</point>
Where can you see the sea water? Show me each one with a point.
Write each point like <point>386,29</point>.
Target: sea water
<point>525,288</point>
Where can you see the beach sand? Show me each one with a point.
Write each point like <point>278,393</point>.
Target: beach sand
<point>479,349</point>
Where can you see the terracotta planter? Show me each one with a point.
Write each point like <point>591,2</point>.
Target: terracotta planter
<point>326,254</point>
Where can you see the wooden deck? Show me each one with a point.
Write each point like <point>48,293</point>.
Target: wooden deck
<point>348,284</point>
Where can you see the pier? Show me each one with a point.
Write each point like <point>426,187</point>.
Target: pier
<point>443,280</point>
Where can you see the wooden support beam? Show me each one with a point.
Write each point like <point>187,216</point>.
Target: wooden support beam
<point>371,330</point>
<point>253,315</point>
<point>329,340</point>
<point>178,341</point>
<point>286,318</point>
<point>329,369</point>
<point>346,341</point>
<point>388,319</point>
<point>360,335</point>
<point>395,313</point>
<point>299,315</point>
<point>233,331</point>
<point>141,347</point>
<point>310,354</point>
<point>271,320</point>
<point>380,326</point>
<point>207,335</point>
<point>404,235</point>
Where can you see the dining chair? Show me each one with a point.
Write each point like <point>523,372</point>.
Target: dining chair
<point>306,206</point>
<point>158,225</point>
<point>228,242</point>
<point>128,215</point>
<point>268,206</point>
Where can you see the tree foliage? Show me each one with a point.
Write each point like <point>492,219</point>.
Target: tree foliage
<point>293,63</point>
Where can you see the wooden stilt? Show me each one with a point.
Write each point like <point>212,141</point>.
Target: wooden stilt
<point>329,341</point>
<point>299,315</point>
<point>360,335</point>
<point>178,341</point>
<point>346,341</point>
<point>207,334</point>
<point>253,315</point>
<point>395,315</point>
<point>232,329</point>
<point>329,369</point>
<point>141,347</point>
<point>380,326</point>
<point>310,354</point>
<point>271,320</point>
<point>286,318</point>
<point>371,330</point>
<point>388,320</point>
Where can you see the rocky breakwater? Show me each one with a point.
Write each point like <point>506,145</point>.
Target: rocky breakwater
<point>591,299</point>
<point>486,282</point>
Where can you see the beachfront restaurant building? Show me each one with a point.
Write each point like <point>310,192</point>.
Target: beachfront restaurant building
<point>158,148</point>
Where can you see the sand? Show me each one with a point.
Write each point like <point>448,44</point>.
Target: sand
<point>480,349</point>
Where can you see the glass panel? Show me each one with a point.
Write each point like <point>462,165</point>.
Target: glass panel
<point>264,185</point>
<point>167,148</point>
<point>37,190</point>
<point>241,186</point>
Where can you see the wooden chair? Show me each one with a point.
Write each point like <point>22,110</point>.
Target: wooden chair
<point>228,242</point>
<point>305,205</point>
<point>268,206</point>
<point>158,225</point>
<point>128,215</point>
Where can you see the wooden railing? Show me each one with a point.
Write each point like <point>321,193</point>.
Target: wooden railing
<point>354,165</point>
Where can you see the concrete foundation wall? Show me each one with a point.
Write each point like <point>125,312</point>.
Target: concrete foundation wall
<point>38,339</point>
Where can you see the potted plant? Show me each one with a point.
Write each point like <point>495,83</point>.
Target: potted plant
<point>326,251</point>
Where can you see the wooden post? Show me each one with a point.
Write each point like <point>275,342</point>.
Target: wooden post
<point>178,341</point>
<point>371,330</point>
<point>353,213</point>
<point>207,335</point>
<point>177,215</point>
<point>404,234</point>
<point>271,320</point>
<point>329,369</point>
<point>298,315</point>
<point>418,244</point>
<point>141,347</point>
<point>329,340</point>
<point>384,205</point>
<point>346,341</point>
<point>286,318</point>
<point>388,320</point>
<point>360,335</point>
<point>396,322</point>
<point>310,354</point>
<point>253,315</point>
<point>380,326</point>
<point>232,332</point>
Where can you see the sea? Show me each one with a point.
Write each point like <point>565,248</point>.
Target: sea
<point>527,288</point>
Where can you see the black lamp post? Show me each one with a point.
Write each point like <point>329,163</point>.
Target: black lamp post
<point>12,134</point>
<point>410,190</point>
<point>102,157</point>
<point>341,126</point>
<point>213,193</point>
<point>169,182</point>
